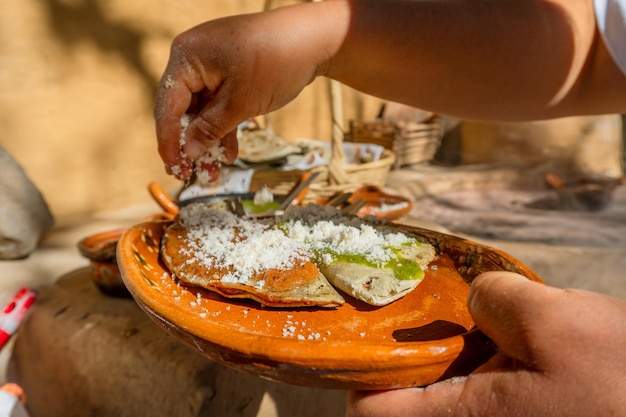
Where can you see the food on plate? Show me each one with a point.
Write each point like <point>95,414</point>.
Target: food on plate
<point>374,265</point>
<point>291,260</point>
<point>241,258</point>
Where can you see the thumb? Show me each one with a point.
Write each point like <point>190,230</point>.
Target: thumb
<point>437,400</point>
<point>504,305</point>
<point>217,119</point>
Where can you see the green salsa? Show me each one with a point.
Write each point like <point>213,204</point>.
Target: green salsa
<point>403,269</point>
<point>251,208</point>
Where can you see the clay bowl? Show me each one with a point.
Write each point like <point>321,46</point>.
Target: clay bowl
<point>380,204</point>
<point>100,249</point>
<point>371,201</point>
<point>426,336</point>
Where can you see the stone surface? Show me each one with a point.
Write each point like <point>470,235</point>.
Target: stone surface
<point>568,249</point>
<point>81,353</point>
<point>511,215</point>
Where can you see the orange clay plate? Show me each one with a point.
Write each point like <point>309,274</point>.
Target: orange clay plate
<point>424,337</point>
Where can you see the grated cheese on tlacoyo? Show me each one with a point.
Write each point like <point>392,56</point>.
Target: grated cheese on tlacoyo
<point>243,246</point>
<point>325,229</point>
<point>249,247</point>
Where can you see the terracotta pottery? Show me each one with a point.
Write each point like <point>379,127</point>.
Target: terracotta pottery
<point>426,336</point>
<point>100,249</point>
<point>380,204</point>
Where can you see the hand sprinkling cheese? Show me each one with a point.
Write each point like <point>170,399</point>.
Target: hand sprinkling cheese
<point>208,165</point>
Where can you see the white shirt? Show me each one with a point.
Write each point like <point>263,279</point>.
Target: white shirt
<point>611,20</point>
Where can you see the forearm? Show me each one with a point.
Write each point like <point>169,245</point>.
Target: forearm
<point>473,59</point>
<point>491,59</point>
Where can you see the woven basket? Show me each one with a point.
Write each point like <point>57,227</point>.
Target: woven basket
<point>336,177</point>
<point>413,143</point>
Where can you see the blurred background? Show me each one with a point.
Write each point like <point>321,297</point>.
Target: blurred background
<point>77,85</point>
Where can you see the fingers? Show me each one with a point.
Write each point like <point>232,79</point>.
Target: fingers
<point>434,401</point>
<point>172,100</point>
<point>213,123</point>
<point>195,90</point>
<point>230,147</point>
<point>180,144</point>
<point>511,310</point>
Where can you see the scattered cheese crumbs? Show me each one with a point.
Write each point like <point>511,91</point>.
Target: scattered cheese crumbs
<point>289,331</point>
<point>176,169</point>
<point>185,120</point>
<point>213,155</point>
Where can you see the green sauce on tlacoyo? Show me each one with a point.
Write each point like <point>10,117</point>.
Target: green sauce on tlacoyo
<point>343,240</point>
<point>404,269</point>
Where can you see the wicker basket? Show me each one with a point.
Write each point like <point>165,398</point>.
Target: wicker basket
<point>336,177</point>
<point>413,143</point>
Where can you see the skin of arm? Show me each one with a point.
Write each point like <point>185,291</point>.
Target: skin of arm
<point>471,59</point>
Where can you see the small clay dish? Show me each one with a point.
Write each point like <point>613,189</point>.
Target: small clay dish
<point>100,249</point>
<point>426,336</point>
<point>380,204</point>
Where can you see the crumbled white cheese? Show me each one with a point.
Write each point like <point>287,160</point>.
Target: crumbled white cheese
<point>246,247</point>
<point>263,196</point>
<point>184,125</point>
<point>242,246</point>
<point>213,155</point>
<point>323,230</point>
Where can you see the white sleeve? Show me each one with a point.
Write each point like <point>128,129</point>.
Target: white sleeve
<point>611,20</point>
